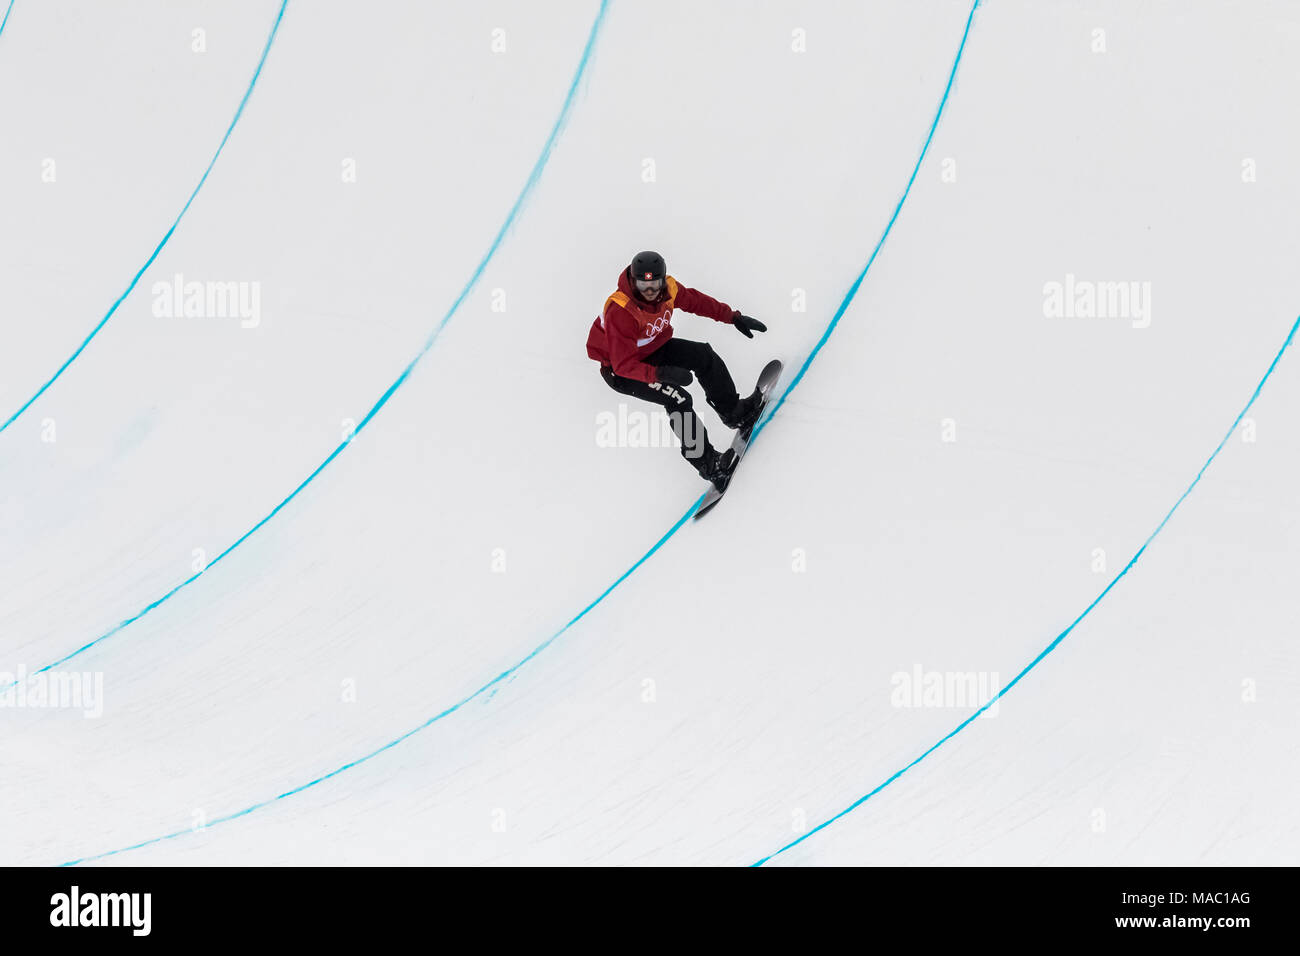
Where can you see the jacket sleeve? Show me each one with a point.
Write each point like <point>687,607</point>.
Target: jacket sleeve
<point>698,303</point>
<point>620,337</point>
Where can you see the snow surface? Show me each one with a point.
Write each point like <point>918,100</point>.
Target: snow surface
<point>737,688</point>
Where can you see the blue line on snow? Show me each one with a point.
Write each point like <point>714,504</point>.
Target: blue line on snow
<point>410,733</point>
<point>853,290</point>
<point>857,283</point>
<point>1060,637</point>
<point>154,255</point>
<point>8,10</point>
<point>532,181</point>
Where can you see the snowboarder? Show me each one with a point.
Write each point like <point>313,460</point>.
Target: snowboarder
<point>632,339</point>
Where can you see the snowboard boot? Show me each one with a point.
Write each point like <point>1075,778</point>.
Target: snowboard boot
<point>716,467</point>
<point>745,414</point>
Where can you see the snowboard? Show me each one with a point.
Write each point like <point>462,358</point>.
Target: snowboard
<point>767,380</point>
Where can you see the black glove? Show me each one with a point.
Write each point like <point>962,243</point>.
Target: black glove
<point>747,325</point>
<point>673,375</point>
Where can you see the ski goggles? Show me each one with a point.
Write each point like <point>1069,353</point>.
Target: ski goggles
<point>649,285</point>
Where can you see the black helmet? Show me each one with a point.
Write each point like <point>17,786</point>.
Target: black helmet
<point>647,265</point>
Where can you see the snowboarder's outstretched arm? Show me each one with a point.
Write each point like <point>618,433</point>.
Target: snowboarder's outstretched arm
<point>697,303</point>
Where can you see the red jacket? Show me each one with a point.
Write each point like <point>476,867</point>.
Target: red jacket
<point>628,329</point>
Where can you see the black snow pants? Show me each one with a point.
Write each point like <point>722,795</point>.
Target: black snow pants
<point>709,369</point>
